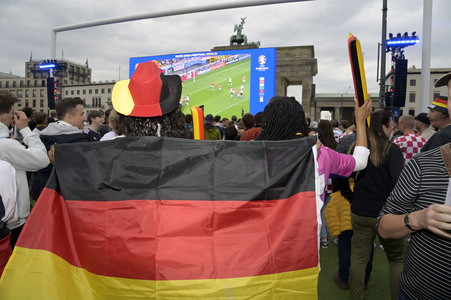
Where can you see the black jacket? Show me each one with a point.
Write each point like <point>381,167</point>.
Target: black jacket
<point>441,137</point>
<point>43,175</point>
<point>374,184</point>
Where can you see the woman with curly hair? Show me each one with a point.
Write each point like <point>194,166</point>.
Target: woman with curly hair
<point>148,104</point>
<point>170,125</point>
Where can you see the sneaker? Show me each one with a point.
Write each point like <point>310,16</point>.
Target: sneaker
<point>324,243</point>
<point>336,241</point>
<point>340,283</point>
<point>382,247</point>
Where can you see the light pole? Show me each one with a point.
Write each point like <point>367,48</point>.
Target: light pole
<point>341,104</point>
<point>383,50</point>
<point>341,107</point>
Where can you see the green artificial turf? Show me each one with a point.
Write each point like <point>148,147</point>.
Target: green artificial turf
<point>219,102</point>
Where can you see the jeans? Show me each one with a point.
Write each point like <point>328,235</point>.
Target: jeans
<point>362,242</point>
<point>323,232</point>
<point>344,257</point>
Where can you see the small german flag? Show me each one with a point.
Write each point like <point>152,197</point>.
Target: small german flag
<point>166,218</point>
<point>198,123</point>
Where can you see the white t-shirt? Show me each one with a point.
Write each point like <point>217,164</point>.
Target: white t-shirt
<point>108,136</point>
<point>8,191</point>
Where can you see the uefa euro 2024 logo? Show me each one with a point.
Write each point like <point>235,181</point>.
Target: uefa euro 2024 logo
<point>262,59</point>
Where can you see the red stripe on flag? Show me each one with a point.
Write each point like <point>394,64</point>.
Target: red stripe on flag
<point>177,240</point>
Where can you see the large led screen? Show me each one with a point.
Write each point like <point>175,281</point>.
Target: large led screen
<point>226,83</point>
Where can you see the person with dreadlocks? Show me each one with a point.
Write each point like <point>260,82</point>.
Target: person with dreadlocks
<point>284,119</point>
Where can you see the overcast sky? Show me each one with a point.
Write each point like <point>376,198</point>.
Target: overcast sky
<point>25,27</point>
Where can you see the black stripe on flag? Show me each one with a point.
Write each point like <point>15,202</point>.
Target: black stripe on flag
<point>155,168</point>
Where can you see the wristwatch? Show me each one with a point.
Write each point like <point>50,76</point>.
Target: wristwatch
<point>407,222</point>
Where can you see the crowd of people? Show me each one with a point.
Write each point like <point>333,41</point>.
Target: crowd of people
<point>387,181</point>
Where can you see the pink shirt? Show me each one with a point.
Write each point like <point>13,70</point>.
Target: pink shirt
<point>332,162</point>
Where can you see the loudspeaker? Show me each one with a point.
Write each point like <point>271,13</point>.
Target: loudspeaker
<point>399,96</point>
<point>51,92</point>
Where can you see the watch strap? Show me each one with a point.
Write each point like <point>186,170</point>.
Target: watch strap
<point>407,222</point>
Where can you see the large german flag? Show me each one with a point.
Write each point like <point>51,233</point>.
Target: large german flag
<point>164,218</point>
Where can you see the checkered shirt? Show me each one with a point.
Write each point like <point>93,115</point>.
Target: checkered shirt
<point>410,145</point>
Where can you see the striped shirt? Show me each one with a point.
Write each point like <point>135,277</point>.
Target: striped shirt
<point>427,266</point>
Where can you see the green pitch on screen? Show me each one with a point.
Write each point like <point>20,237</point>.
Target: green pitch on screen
<point>219,102</point>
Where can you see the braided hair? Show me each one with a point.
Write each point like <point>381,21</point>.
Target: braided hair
<point>283,119</point>
<point>171,125</point>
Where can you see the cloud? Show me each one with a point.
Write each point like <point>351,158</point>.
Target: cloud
<point>325,24</point>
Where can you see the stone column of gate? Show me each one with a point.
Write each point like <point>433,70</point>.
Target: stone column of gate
<point>337,113</point>
<point>307,96</point>
<point>281,86</point>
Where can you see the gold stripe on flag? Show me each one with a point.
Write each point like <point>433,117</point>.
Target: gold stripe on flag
<point>62,280</point>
